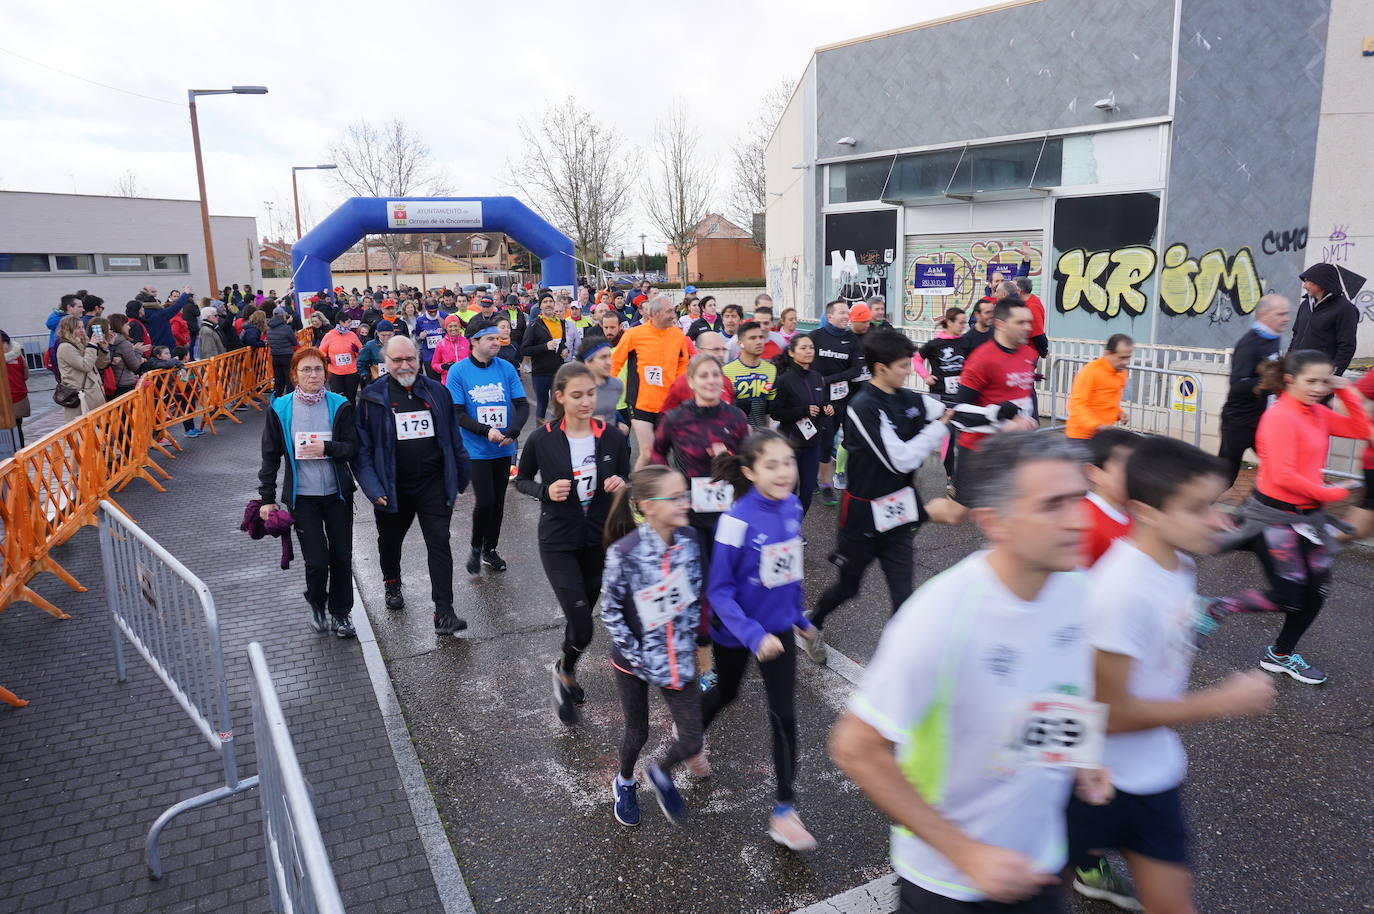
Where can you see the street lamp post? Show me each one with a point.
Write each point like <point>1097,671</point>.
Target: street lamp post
<point>295,195</point>
<point>200,171</point>
<point>643,274</point>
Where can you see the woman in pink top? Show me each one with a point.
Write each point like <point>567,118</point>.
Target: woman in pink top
<point>453,348</point>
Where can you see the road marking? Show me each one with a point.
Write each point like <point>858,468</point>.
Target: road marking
<point>876,897</point>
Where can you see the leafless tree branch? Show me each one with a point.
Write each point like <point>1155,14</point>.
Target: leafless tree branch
<point>679,192</point>
<point>749,190</point>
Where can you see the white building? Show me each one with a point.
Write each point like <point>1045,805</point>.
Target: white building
<point>52,244</point>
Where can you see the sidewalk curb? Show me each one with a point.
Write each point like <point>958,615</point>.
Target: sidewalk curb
<point>443,865</point>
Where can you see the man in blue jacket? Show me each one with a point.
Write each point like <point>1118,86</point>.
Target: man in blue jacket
<point>411,463</point>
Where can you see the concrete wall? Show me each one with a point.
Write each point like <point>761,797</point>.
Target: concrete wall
<point>74,224</point>
<point>1031,67</point>
<point>790,208</point>
<point>1341,221</point>
<point>1241,163</point>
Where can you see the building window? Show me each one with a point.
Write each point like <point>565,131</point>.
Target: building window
<point>851,182</point>
<point>970,170</point>
<point>715,227</point>
<point>171,263</point>
<point>24,263</point>
<point>74,263</point>
<point>124,263</point>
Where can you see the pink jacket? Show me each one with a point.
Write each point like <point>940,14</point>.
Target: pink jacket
<point>447,352</point>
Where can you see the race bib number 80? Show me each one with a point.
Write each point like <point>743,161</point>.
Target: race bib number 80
<point>780,563</point>
<point>895,509</point>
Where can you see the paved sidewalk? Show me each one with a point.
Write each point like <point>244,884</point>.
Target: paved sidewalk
<point>90,763</point>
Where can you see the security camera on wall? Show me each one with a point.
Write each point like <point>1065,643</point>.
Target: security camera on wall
<point>1106,104</point>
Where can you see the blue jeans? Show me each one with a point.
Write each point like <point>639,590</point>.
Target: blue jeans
<point>543,383</point>
<point>808,470</point>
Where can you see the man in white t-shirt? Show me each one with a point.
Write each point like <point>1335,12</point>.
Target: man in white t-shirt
<point>1144,615</point>
<point>976,701</point>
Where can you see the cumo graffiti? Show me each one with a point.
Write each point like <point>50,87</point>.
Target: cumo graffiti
<point>1109,282</point>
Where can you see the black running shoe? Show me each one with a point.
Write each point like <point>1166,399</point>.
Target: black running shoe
<point>493,561</point>
<point>319,619</point>
<point>446,623</point>
<point>474,561</point>
<point>342,626</point>
<point>563,696</point>
<point>394,598</point>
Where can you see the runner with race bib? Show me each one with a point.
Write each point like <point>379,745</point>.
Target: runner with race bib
<point>756,598</point>
<point>573,465</point>
<point>490,407</point>
<point>889,431</point>
<point>940,361</point>
<point>649,605</point>
<point>803,411</point>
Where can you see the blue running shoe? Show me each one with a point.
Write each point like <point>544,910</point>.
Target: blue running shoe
<point>669,800</point>
<point>626,801</point>
<point>1293,665</point>
<point>708,681</point>
<point>194,433</point>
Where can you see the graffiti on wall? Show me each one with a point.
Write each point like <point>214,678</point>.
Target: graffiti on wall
<point>972,257</point>
<point>785,276</point>
<point>860,248</point>
<point>1192,285</point>
<point>1279,242</point>
<point>1338,245</point>
<point>1104,282</point>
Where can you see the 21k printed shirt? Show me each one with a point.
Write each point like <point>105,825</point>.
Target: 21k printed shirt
<point>754,388</point>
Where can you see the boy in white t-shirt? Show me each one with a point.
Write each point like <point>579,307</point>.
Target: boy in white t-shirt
<point>1143,617</point>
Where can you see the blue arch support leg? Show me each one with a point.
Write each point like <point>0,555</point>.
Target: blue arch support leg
<point>312,255</point>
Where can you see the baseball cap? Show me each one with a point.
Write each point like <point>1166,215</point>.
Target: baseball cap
<point>488,330</point>
<point>860,312</point>
<point>690,290</point>
<point>385,327</point>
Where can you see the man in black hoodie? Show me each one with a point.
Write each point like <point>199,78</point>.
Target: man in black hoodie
<point>1326,319</point>
<point>839,359</point>
<point>1241,413</point>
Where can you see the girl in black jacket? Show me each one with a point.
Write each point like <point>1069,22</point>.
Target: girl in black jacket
<point>580,462</point>
<point>802,408</point>
<point>547,353</point>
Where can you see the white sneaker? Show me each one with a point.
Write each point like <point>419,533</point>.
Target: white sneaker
<point>815,647</point>
<point>787,830</point>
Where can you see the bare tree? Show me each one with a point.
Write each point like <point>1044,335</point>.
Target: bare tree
<point>579,174</point>
<point>127,185</point>
<point>386,160</point>
<point>749,190</point>
<point>679,192</point>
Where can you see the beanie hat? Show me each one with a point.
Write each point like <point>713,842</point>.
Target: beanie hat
<point>384,327</point>
<point>860,312</point>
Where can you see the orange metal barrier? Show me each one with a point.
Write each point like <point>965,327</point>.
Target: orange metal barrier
<point>51,489</point>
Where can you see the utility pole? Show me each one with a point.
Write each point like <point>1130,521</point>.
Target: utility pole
<point>643,274</point>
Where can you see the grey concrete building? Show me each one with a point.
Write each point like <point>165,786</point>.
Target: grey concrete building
<point>1157,156</point>
<point>52,244</point>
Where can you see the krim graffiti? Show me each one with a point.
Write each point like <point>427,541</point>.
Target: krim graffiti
<point>971,261</point>
<point>1104,282</point>
<point>1189,285</point>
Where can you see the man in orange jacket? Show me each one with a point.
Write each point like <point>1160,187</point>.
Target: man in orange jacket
<point>657,352</point>
<point>1095,401</point>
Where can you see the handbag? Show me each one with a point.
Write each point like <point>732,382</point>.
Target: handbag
<point>65,395</point>
<point>107,380</point>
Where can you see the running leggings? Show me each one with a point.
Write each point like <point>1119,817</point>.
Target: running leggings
<point>779,682</point>
<point>852,557</point>
<point>808,469</point>
<point>575,576</point>
<point>683,704</point>
<point>489,481</point>
<point>543,384</point>
<point>1299,573</point>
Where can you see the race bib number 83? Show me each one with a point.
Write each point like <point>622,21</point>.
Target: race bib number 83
<point>1063,730</point>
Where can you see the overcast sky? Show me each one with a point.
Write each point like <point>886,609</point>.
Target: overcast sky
<point>462,81</point>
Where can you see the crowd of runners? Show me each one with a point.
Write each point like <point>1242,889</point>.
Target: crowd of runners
<point>1018,719</point>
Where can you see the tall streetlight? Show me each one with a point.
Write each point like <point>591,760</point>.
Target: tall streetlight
<point>643,274</point>
<point>200,170</point>
<point>296,197</point>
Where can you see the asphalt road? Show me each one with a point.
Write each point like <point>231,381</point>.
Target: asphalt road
<point>1281,807</point>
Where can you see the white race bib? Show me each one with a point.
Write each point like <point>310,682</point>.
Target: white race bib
<point>839,390</point>
<point>584,480</point>
<point>780,563</point>
<point>303,438</point>
<point>807,428</point>
<point>1057,729</point>
<point>895,509</point>
<point>710,497</point>
<point>343,359</point>
<point>419,424</point>
<point>658,604</point>
<point>653,374</point>
<point>951,385</point>
<point>495,416</point>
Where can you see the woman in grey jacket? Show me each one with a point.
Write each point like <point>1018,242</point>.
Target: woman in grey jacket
<point>124,355</point>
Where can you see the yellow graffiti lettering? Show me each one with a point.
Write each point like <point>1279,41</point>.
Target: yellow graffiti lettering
<point>1188,285</point>
<point>1105,281</point>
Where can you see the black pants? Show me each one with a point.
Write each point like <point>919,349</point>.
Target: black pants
<point>852,556</point>
<point>543,383</point>
<point>324,526</point>
<point>345,384</point>
<point>951,454</point>
<point>779,683</point>
<point>575,576</point>
<point>1235,441</point>
<point>281,375</point>
<point>915,900</point>
<point>684,705</point>
<point>428,504</point>
<point>808,471</point>
<point>489,481</point>
<point>1299,575</point>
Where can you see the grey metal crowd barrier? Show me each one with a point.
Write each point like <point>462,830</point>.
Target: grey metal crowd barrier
<point>168,617</point>
<point>299,873</point>
<point>1152,400</point>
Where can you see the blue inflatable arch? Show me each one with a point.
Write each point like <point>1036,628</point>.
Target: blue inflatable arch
<point>312,256</point>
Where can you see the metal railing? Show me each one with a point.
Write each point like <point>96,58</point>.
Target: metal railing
<point>168,617</point>
<point>298,870</point>
<point>1150,400</point>
<point>34,345</point>
<point>1146,355</point>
